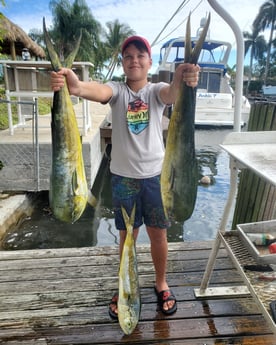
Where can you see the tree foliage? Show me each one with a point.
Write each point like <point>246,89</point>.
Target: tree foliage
<point>257,45</point>
<point>266,18</point>
<point>69,22</point>
<point>115,35</point>
<point>262,51</point>
<point>101,47</point>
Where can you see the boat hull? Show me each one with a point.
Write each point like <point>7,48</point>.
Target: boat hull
<point>217,110</point>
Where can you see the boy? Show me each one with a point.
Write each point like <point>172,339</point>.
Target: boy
<point>137,148</point>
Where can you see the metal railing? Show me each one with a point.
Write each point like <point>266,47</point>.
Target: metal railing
<point>35,142</point>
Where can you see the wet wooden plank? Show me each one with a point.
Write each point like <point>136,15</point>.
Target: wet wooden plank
<point>109,283</point>
<point>156,331</point>
<point>102,251</point>
<point>240,340</point>
<point>248,340</point>
<point>63,258</point>
<point>256,340</point>
<point>53,297</point>
<point>98,260</point>
<point>259,340</point>
<point>72,314</point>
<point>93,271</point>
<point>26,342</point>
<point>147,332</point>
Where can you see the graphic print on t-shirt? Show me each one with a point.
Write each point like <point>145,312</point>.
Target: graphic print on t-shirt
<point>137,116</point>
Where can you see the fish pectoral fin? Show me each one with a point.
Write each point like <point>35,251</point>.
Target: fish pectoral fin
<point>172,178</point>
<point>74,182</point>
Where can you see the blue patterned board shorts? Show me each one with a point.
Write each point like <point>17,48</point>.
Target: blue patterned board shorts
<point>147,196</point>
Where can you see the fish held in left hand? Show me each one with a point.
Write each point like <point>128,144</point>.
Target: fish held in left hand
<point>129,304</point>
<point>179,176</point>
<point>68,186</point>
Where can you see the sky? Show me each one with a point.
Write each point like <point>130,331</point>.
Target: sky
<point>147,17</point>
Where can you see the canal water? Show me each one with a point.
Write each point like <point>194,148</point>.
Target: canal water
<point>96,226</point>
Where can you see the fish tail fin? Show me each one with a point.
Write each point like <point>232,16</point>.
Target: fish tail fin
<point>197,49</point>
<point>71,57</point>
<point>129,221</point>
<point>52,53</point>
<point>188,44</point>
<point>50,48</point>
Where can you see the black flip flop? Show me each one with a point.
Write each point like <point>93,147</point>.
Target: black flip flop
<point>165,296</point>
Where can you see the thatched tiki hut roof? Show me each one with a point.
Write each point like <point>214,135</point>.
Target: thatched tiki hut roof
<point>14,39</point>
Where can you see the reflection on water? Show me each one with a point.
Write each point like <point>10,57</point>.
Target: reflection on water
<point>96,227</point>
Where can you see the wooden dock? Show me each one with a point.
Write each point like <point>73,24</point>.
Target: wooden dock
<point>61,296</point>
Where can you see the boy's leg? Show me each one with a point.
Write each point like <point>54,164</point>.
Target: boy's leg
<point>156,224</point>
<point>159,253</point>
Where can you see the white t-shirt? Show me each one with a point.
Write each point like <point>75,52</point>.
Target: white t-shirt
<point>137,136</point>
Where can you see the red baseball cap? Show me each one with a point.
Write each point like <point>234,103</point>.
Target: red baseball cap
<point>132,39</point>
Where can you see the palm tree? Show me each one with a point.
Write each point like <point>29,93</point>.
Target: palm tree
<point>266,18</point>
<point>115,36</point>
<point>37,36</point>
<point>257,45</point>
<point>69,21</point>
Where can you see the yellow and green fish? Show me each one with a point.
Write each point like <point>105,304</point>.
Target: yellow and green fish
<point>179,176</point>
<point>68,186</point>
<point>129,304</point>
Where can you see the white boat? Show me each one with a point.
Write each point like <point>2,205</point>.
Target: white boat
<point>215,97</point>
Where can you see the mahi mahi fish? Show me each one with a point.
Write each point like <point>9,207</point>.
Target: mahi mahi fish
<point>129,304</point>
<point>68,193</point>
<point>179,176</point>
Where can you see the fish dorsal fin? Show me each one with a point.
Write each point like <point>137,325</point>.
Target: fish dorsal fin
<point>53,55</point>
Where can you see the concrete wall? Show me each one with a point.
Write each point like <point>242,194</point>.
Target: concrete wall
<point>13,208</point>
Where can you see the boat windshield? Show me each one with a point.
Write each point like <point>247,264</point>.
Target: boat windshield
<point>214,52</point>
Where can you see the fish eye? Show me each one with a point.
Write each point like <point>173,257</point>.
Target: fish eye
<point>128,323</point>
